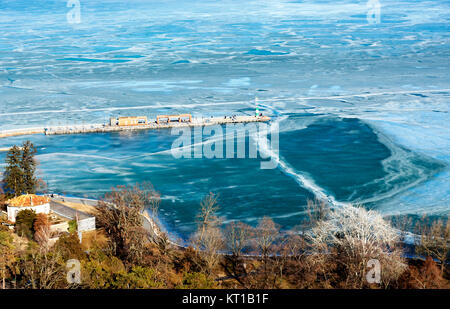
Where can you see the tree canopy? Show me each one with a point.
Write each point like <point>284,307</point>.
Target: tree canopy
<point>19,176</point>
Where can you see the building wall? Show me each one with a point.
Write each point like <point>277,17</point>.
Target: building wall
<point>84,225</point>
<point>61,227</point>
<point>87,224</point>
<point>13,211</point>
<point>132,121</point>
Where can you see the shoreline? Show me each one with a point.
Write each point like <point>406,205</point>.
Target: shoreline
<point>151,226</point>
<point>149,223</point>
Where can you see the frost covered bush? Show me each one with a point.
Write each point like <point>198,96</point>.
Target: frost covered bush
<point>352,236</point>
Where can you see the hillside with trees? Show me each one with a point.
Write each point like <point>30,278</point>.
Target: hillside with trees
<point>332,249</point>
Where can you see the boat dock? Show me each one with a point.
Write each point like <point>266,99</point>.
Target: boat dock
<point>128,124</point>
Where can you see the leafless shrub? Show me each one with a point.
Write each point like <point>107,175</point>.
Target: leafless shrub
<point>403,225</point>
<point>425,276</point>
<point>42,270</point>
<point>316,211</point>
<point>434,240</point>
<point>352,236</point>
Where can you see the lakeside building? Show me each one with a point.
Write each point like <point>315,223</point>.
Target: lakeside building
<point>60,213</point>
<point>37,203</point>
<point>142,120</point>
<point>128,121</point>
<point>176,118</point>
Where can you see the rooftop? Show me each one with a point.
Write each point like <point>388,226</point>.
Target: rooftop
<point>28,200</point>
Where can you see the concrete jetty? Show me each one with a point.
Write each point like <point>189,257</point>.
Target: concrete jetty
<point>27,131</point>
<point>104,128</point>
<point>101,128</point>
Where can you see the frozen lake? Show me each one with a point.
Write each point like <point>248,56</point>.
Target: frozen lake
<point>363,108</point>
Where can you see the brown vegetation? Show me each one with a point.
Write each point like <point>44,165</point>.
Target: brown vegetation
<point>120,214</point>
<point>332,249</point>
<point>434,240</point>
<point>42,230</point>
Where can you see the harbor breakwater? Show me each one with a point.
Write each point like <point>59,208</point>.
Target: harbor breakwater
<point>103,128</point>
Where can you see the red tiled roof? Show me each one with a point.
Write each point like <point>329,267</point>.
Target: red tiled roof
<point>27,200</point>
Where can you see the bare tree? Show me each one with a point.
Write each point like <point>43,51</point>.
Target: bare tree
<point>352,236</point>
<point>266,235</point>
<point>120,214</point>
<point>42,270</point>
<point>210,243</point>
<point>434,240</point>
<point>208,238</point>
<point>316,211</point>
<point>208,209</point>
<point>294,245</point>
<point>237,236</point>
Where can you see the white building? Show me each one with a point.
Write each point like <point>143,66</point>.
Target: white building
<point>37,203</point>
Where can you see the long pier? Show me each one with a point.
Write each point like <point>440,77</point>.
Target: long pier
<point>27,131</point>
<point>104,128</point>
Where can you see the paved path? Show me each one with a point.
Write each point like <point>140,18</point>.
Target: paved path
<point>83,201</point>
<point>67,212</point>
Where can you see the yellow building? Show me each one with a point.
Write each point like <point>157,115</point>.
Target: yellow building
<point>129,121</point>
